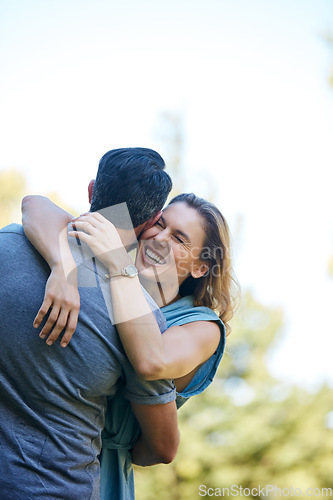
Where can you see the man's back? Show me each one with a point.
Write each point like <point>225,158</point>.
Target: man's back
<point>52,400</point>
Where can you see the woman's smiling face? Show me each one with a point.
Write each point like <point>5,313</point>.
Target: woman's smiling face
<point>171,248</point>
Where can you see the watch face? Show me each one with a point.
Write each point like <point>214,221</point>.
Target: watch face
<point>131,271</point>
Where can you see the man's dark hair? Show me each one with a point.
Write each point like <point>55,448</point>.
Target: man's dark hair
<point>134,176</point>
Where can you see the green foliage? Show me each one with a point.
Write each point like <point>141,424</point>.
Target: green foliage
<point>248,428</point>
<point>330,266</point>
<point>56,198</point>
<point>12,186</point>
<point>329,40</point>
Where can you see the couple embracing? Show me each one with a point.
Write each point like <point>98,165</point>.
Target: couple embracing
<point>89,386</point>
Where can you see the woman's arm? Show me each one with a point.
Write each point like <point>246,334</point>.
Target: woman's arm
<point>153,356</point>
<point>45,225</point>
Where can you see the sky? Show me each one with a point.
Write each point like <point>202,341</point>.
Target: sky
<point>250,81</point>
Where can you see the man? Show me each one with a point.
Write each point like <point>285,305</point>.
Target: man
<point>53,400</point>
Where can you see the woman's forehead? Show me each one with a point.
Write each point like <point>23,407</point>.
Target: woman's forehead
<point>180,216</point>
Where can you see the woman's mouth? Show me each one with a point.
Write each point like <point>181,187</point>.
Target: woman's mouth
<point>152,257</point>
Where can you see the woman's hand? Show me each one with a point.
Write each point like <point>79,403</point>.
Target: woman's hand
<point>101,236</point>
<point>63,298</point>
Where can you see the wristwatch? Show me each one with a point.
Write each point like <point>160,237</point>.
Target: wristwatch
<point>130,271</point>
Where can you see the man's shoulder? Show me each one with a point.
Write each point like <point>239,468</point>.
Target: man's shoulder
<point>14,237</point>
<point>13,229</point>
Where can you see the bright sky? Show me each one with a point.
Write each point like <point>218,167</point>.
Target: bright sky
<point>250,78</point>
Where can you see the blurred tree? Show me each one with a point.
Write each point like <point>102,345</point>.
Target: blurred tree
<point>329,39</point>
<point>57,199</point>
<point>12,187</point>
<point>248,429</point>
<point>169,131</point>
<point>330,266</point>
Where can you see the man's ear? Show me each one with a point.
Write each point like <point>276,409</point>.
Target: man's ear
<point>90,189</point>
<point>198,270</point>
<point>152,221</point>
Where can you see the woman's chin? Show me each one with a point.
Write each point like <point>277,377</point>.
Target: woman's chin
<point>149,274</point>
<point>146,268</point>
<point>156,274</point>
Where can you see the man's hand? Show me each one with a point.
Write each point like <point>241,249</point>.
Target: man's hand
<point>63,299</point>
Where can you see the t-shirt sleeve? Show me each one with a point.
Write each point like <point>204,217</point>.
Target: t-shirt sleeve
<point>146,392</point>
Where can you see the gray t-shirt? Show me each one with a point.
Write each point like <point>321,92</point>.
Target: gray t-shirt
<point>53,400</point>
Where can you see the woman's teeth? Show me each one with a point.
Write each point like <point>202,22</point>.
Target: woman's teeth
<point>152,258</point>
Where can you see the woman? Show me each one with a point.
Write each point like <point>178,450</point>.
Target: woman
<point>184,263</point>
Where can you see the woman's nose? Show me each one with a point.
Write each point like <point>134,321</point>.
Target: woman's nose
<point>162,238</point>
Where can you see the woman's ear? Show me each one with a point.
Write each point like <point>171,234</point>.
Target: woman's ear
<point>198,270</point>
<point>90,189</point>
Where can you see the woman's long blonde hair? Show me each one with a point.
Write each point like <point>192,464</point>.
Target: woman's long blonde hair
<point>218,289</point>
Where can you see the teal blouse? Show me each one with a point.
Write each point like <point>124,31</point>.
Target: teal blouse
<point>122,429</point>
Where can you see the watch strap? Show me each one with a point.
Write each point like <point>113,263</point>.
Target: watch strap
<point>130,271</point>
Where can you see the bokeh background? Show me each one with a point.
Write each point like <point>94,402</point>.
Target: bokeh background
<point>237,97</point>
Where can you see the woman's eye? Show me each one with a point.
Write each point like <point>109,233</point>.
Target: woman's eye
<point>178,239</point>
<point>157,223</point>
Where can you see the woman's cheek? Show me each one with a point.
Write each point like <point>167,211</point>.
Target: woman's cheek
<point>149,233</point>
<point>182,267</point>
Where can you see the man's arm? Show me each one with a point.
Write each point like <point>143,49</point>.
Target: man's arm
<point>160,437</point>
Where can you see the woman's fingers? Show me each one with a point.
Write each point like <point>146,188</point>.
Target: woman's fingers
<point>93,220</point>
<point>100,235</point>
<point>88,219</point>
<point>51,320</point>
<point>58,326</point>
<point>62,301</point>
<point>80,235</point>
<point>99,217</point>
<point>59,319</point>
<point>42,311</point>
<point>83,225</point>
<point>91,216</point>
<point>71,327</point>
